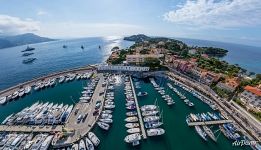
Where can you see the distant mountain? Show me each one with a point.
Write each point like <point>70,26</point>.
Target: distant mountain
<point>22,39</point>
<point>137,38</point>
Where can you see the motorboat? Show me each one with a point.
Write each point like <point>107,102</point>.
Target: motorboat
<point>132,119</point>
<point>27,89</point>
<point>95,140</point>
<point>133,130</point>
<point>107,111</point>
<point>150,113</point>
<point>106,116</point>
<point>21,92</point>
<point>15,95</point>
<point>3,100</point>
<point>201,133</point>
<point>131,107</point>
<point>82,145</point>
<point>132,125</point>
<point>151,118</point>
<point>89,144</point>
<point>103,125</point>
<point>153,124</point>
<point>210,133</point>
<point>142,94</point>
<point>148,107</point>
<point>61,79</point>
<point>132,138</point>
<point>155,132</point>
<point>107,120</point>
<point>131,113</point>
<point>46,142</point>
<point>75,146</point>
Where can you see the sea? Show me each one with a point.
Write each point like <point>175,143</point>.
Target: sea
<point>52,57</point>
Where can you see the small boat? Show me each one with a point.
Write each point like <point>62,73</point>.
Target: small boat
<point>190,104</point>
<point>155,132</point>
<point>15,95</point>
<point>75,147</point>
<point>132,125</point>
<point>61,79</point>
<point>28,49</point>
<point>107,111</point>
<point>109,106</point>
<point>64,46</point>
<point>142,94</point>
<point>106,120</point>
<point>89,144</point>
<point>149,125</point>
<point>150,113</point>
<point>82,47</point>
<point>148,107</point>
<point>210,133</point>
<point>106,116</point>
<point>46,142</point>
<point>131,113</point>
<point>27,89</point>
<point>132,138</point>
<point>2,100</point>
<point>151,118</point>
<point>132,119</point>
<point>131,107</point>
<point>27,54</point>
<point>95,140</point>
<point>103,125</point>
<point>133,130</point>
<point>82,145</point>
<point>201,133</point>
<point>29,60</point>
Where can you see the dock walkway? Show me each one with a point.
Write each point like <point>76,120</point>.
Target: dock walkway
<point>31,128</point>
<point>209,122</point>
<point>144,135</point>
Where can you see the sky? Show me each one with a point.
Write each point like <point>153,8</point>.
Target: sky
<point>234,21</point>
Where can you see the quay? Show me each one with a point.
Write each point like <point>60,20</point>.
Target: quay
<point>31,128</point>
<point>32,82</point>
<point>144,135</point>
<point>209,122</point>
<point>80,129</point>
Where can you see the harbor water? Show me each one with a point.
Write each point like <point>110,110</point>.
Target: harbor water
<point>178,135</point>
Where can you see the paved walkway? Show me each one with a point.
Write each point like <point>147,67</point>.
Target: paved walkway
<point>209,122</point>
<point>138,110</point>
<point>27,128</point>
<point>82,128</point>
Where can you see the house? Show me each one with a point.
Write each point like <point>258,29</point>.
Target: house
<point>192,51</point>
<point>230,84</point>
<point>251,97</point>
<point>197,72</point>
<point>210,77</point>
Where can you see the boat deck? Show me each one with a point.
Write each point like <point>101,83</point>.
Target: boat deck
<point>144,135</point>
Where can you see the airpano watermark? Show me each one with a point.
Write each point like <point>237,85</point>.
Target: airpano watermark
<point>244,143</point>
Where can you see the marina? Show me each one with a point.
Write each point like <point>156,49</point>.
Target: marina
<point>101,115</point>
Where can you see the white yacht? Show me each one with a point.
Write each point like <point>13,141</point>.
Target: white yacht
<point>82,145</point>
<point>46,142</point>
<point>132,138</point>
<point>155,132</point>
<point>2,100</point>
<point>132,125</point>
<point>132,119</point>
<point>103,125</point>
<point>95,140</point>
<point>75,146</point>
<point>133,130</point>
<point>27,89</point>
<point>89,144</point>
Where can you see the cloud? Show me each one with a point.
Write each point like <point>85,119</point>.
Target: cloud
<point>41,13</point>
<point>15,25</point>
<point>216,14</point>
<point>84,29</point>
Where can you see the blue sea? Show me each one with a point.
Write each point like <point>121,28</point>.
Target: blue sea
<point>52,57</point>
<point>248,57</point>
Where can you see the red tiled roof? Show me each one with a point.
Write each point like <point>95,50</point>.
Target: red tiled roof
<point>253,90</point>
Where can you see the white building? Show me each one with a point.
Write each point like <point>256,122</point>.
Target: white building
<point>140,58</point>
<point>122,68</point>
<point>251,97</point>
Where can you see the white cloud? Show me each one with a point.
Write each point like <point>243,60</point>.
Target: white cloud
<point>15,25</point>
<point>83,29</point>
<point>217,14</point>
<point>41,13</point>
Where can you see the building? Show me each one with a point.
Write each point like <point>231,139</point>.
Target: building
<point>197,72</point>
<point>210,77</point>
<point>251,97</point>
<point>139,58</point>
<point>230,84</point>
<point>122,68</point>
<point>192,51</point>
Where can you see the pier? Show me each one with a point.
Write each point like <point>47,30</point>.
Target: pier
<point>144,135</point>
<point>209,122</point>
<point>31,128</point>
